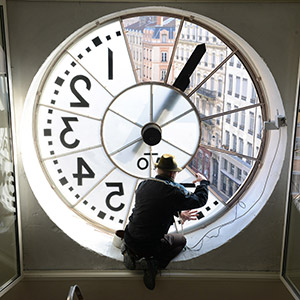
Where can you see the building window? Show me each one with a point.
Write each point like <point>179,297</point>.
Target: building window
<point>230,189</point>
<point>163,38</point>
<point>207,37</point>
<point>213,64</point>
<point>234,142</point>
<point>225,164</point>
<point>244,89</point>
<point>241,146</point>
<point>221,59</point>
<point>253,95</point>
<point>164,56</point>
<point>243,118</point>
<point>228,117</point>
<point>205,59</point>
<point>237,86</point>
<point>259,129</point>
<point>212,84</point>
<point>187,54</point>
<point>163,74</point>
<point>220,87</point>
<point>227,139</point>
<point>239,174</point>
<point>200,34</point>
<point>231,169</point>
<point>194,33</point>
<point>251,123</point>
<point>236,117</point>
<point>197,103</point>
<point>218,111</point>
<point>249,152</point>
<point>230,84</point>
<point>223,181</point>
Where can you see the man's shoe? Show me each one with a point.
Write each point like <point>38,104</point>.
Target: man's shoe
<point>128,258</point>
<point>150,271</point>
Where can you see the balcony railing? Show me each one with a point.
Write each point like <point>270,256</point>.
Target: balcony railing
<point>207,93</point>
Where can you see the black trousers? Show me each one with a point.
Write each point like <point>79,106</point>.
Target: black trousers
<point>163,251</point>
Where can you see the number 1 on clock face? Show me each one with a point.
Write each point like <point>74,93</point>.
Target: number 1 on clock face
<point>105,56</point>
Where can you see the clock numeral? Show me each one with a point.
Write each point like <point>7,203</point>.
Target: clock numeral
<point>120,192</point>
<point>83,102</point>
<point>143,162</point>
<point>110,64</point>
<point>81,166</point>
<point>68,128</point>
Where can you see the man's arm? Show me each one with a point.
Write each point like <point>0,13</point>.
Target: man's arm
<point>189,201</point>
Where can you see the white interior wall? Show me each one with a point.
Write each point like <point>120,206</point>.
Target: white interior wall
<point>272,29</point>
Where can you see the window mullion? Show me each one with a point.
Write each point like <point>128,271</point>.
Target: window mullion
<point>231,111</point>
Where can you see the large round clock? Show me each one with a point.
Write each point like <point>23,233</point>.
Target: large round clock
<point>122,91</point>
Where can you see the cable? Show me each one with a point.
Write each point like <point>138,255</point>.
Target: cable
<point>218,228</point>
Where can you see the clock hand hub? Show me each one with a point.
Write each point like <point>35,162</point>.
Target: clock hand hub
<point>151,134</point>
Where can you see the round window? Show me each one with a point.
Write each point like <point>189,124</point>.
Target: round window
<point>131,86</point>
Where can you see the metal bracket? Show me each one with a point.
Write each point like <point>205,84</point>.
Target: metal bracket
<point>280,121</point>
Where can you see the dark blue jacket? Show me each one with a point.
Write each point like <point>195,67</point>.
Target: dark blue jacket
<point>157,201</point>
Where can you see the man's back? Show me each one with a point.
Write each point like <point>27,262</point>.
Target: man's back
<point>157,201</point>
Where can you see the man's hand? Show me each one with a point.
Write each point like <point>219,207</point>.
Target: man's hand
<point>188,215</point>
<point>199,178</point>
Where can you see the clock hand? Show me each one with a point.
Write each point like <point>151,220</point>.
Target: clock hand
<point>181,83</point>
<point>183,78</point>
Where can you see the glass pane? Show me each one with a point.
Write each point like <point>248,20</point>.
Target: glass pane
<point>220,85</point>
<point>231,140</point>
<point>151,40</point>
<point>291,261</point>
<point>9,261</point>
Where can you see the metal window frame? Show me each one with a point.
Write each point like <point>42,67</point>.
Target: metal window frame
<point>13,281</point>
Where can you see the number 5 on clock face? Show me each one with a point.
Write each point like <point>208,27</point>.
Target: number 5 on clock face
<point>110,202</point>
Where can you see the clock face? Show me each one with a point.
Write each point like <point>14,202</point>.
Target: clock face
<point>89,121</point>
<point>122,91</point>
